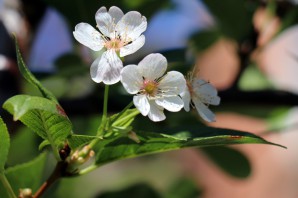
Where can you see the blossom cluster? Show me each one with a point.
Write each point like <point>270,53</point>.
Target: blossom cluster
<point>154,90</point>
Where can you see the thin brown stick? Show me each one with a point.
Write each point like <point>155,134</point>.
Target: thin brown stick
<point>56,174</point>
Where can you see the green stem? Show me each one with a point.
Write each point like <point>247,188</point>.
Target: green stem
<point>7,186</point>
<point>101,128</point>
<point>104,119</point>
<point>122,112</point>
<point>133,114</point>
<point>105,111</point>
<point>88,169</point>
<point>105,103</point>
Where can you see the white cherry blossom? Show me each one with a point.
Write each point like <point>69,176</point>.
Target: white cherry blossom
<point>119,34</point>
<point>153,90</point>
<point>200,94</point>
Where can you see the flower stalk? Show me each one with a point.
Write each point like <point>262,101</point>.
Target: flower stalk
<point>121,113</point>
<point>124,119</point>
<point>7,186</point>
<point>101,129</point>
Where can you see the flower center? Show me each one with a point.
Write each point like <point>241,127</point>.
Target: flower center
<point>149,87</point>
<point>115,44</point>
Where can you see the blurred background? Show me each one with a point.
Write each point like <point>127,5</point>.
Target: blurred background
<point>247,49</point>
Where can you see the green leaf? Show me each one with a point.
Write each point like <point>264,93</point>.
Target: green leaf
<point>27,175</point>
<point>135,191</point>
<point>229,160</point>
<point>4,144</point>
<point>121,147</point>
<point>57,85</point>
<point>21,154</point>
<point>43,116</point>
<point>185,188</point>
<point>76,141</point>
<point>43,144</point>
<point>29,76</point>
<point>277,119</point>
<point>253,79</point>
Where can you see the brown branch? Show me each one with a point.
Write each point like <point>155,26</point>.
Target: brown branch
<point>58,172</point>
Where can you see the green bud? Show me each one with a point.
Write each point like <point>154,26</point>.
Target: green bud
<point>133,136</point>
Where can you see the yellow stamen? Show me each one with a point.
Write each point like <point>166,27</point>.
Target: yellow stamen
<point>150,87</point>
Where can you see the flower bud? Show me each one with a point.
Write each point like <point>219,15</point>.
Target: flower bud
<point>133,136</point>
<point>79,157</point>
<point>25,193</point>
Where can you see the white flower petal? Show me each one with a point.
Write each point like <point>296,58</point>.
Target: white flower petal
<point>116,14</point>
<point>153,66</point>
<point>156,113</point>
<point>106,68</point>
<point>186,98</point>
<point>93,70</point>
<point>132,25</point>
<point>204,86</point>
<point>88,36</point>
<point>131,79</point>
<point>105,22</point>
<point>133,47</point>
<point>214,100</point>
<point>206,92</point>
<point>139,29</point>
<point>142,104</point>
<point>203,111</point>
<point>112,75</point>
<point>174,103</point>
<point>173,83</point>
